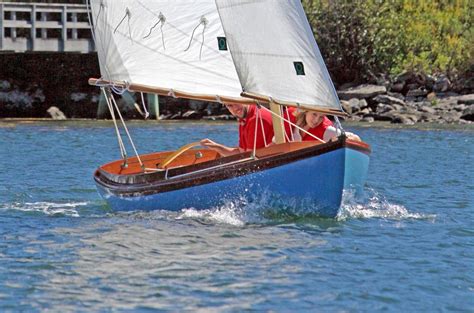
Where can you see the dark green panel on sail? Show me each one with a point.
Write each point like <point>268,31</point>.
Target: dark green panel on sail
<point>222,43</point>
<point>299,68</point>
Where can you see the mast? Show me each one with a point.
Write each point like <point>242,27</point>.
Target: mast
<point>277,119</point>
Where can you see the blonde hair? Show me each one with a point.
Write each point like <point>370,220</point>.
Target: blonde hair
<point>300,118</point>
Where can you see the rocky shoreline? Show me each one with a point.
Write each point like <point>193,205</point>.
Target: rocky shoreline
<point>409,99</point>
<point>60,90</point>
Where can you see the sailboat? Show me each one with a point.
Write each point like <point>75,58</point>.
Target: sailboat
<point>228,51</point>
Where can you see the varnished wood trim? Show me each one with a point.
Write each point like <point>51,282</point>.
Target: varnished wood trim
<point>358,145</point>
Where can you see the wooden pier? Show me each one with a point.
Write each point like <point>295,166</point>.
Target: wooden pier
<point>44,27</point>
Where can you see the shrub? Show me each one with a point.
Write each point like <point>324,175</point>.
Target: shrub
<point>363,40</point>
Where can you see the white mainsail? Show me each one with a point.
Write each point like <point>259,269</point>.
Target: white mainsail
<point>175,45</point>
<point>275,53</point>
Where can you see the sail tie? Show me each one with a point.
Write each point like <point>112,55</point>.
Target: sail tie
<point>121,88</point>
<point>147,114</point>
<point>129,15</point>
<point>203,22</point>
<point>161,20</point>
<point>218,99</point>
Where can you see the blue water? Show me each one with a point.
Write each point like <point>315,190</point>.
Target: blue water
<point>409,246</point>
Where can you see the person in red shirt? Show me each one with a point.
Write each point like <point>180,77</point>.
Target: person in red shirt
<point>317,125</point>
<point>249,118</point>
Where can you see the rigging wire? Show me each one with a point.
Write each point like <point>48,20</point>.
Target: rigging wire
<point>263,131</point>
<point>127,132</point>
<point>123,151</point>
<point>338,125</point>
<point>287,116</point>
<point>254,150</point>
<point>293,124</point>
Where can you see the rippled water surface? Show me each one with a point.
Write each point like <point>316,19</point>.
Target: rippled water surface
<point>409,246</point>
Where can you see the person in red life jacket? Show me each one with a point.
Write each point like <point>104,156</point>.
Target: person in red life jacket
<point>249,118</point>
<point>319,126</point>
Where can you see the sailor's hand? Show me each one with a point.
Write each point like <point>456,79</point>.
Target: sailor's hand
<point>352,136</point>
<point>209,143</point>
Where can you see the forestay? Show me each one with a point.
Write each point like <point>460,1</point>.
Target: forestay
<point>275,53</point>
<point>177,45</point>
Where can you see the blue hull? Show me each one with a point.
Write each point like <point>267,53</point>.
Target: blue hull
<point>315,183</point>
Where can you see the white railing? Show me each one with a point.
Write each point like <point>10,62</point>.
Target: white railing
<point>44,27</point>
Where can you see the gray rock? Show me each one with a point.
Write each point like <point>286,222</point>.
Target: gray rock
<point>39,95</point>
<point>388,100</point>
<point>405,76</point>
<point>197,105</point>
<point>382,108</point>
<point>396,95</point>
<point>4,85</point>
<point>429,82</point>
<point>355,104</point>
<point>460,107</point>
<point>368,119</point>
<point>56,113</point>
<point>191,115</point>
<point>427,109</point>
<point>165,116</point>
<point>213,108</point>
<point>454,99</point>
<point>451,116</point>
<point>445,104</point>
<point>428,117</point>
<point>362,92</point>
<point>176,116</point>
<point>16,99</point>
<point>466,99</point>
<point>397,87</point>
<point>355,118</point>
<point>417,93</point>
<point>347,108</point>
<point>442,84</point>
<point>363,103</point>
<point>468,114</point>
<point>386,116</point>
<point>364,111</point>
<point>78,96</point>
<point>406,119</point>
